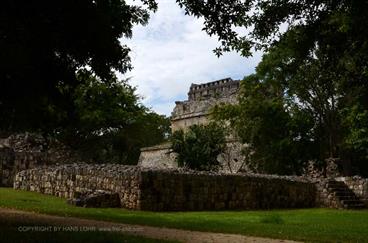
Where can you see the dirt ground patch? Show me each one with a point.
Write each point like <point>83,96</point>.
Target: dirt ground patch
<point>70,223</point>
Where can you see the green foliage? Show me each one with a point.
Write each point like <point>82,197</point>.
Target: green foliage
<point>333,22</point>
<point>110,125</point>
<point>43,45</point>
<point>355,122</point>
<point>357,137</point>
<point>45,86</point>
<point>275,132</point>
<point>315,57</point>
<point>199,147</point>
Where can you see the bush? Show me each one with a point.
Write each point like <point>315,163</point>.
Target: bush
<point>199,147</point>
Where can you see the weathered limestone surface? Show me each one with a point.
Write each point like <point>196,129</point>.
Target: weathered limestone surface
<point>159,157</point>
<point>71,180</point>
<point>324,197</point>
<point>358,185</point>
<point>196,110</point>
<point>23,151</point>
<point>162,157</point>
<point>96,199</point>
<point>201,98</point>
<point>11,162</point>
<point>179,190</point>
<point>232,160</point>
<point>170,189</point>
<point>322,178</point>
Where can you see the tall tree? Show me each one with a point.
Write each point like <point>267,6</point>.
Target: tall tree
<point>111,125</point>
<point>277,134</point>
<point>44,43</point>
<point>315,53</point>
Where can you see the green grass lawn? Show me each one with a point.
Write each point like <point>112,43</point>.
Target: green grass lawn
<point>318,225</point>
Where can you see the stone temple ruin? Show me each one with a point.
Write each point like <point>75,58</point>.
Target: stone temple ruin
<point>197,110</point>
<point>156,184</point>
<point>201,98</point>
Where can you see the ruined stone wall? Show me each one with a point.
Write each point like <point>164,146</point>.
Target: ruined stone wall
<point>68,180</point>
<point>171,190</point>
<point>159,156</point>
<point>184,123</point>
<point>165,190</point>
<point>196,111</point>
<point>12,162</point>
<point>28,150</point>
<point>201,99</point>
<point>219,88</point>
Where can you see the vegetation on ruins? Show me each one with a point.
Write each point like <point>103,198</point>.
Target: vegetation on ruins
<point>308,98</point>
<point>277,141</point>
<point>308,225</point>
<point>199,147</point>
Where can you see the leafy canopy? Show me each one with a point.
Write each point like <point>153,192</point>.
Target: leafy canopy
<point>199,147</point>
<point>110,124</point>
<point>44,44</point>
<point>313,76</point>
<point>277,135</point>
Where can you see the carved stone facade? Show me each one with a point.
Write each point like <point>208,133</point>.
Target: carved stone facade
<point>201,98</point>
<point>196,110</point>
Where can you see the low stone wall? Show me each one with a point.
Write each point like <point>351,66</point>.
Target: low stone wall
<point>175,190</point>
<point>170,190</point>
<point>71,179</point>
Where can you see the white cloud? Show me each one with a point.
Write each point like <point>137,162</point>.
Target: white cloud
<point>172,52</point>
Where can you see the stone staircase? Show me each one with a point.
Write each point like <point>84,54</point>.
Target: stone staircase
<point>344,195</point>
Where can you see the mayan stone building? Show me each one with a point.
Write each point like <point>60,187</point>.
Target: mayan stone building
<point>201,98</point>
<point>196,110</point>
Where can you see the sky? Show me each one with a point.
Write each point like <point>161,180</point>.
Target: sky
<point>171,52</point>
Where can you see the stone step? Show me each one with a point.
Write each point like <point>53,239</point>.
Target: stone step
<point>336,184</point>
<point>348,199</point>
<point>344,194</point>
<point>351,202</point>
<point>355,206</point>
<point>340,190</point>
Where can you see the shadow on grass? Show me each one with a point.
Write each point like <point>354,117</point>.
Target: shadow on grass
<point>272,219</point>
